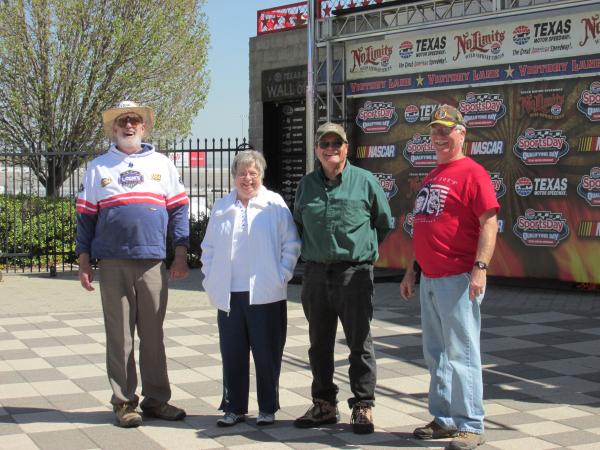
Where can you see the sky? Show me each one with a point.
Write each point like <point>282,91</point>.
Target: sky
<point>231,23</point>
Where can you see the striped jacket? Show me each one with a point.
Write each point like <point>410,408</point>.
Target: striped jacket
<point>128,203</point>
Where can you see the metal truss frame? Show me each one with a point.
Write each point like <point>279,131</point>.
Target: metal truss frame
<point>331,33</point>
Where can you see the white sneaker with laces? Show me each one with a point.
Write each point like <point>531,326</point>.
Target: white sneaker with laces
<point>229,419</point>
<point>265,419</point>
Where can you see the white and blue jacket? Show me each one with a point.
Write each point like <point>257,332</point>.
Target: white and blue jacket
<point>128,203</point>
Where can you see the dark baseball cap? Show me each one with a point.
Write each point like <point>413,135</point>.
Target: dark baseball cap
<point>447,116</point>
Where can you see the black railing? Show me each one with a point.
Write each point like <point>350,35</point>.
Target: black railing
<point>37,230</point>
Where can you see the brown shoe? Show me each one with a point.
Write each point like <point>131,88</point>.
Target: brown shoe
<point>362,418</point>
<point>466,441</point>
<point>164,411</point>
<point>433,430</point>
<point>127,416</point>
<point>320,413</point>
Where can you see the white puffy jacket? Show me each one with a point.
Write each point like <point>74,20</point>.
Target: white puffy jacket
<point>274,243</point>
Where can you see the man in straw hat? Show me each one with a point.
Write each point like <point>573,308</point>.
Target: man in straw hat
<point>129,198</point>
<point>454,235</point>
<point>342,215</point>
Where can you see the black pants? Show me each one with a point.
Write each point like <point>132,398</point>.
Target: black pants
<point>343,290</point>
<point>262,329</point>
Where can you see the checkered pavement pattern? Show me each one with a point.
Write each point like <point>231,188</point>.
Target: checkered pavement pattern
<point>541,375</point>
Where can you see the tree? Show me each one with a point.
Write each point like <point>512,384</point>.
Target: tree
<point>63,62</point>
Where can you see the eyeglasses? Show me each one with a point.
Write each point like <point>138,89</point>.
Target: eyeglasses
<point>324,145</point>
<point>444,131</point>
<point>133,120</point>
<point>252,175</point>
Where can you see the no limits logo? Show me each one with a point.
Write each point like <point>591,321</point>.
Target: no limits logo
<point>371,59</point>
<point>486,46</point>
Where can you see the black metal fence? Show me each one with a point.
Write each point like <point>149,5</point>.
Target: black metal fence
<point>37,197</point>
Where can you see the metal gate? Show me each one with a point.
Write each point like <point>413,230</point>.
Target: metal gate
<point>37,231</point>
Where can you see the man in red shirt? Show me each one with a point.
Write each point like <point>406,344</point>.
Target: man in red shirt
<point>454,235</point>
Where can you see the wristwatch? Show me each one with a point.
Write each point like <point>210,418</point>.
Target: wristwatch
<point>481,265</point>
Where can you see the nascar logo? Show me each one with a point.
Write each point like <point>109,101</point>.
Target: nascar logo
<point>376,151</point>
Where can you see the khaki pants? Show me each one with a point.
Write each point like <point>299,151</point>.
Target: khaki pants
<point>134,293</point>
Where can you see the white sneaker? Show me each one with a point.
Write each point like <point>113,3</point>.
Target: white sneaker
<point>229,419</point>
<point>265,419</point>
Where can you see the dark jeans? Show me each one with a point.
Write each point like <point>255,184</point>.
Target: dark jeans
<point>343,290</point>
<point>262,329</point>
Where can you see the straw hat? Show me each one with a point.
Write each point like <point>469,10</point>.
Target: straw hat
<point>127,106</point>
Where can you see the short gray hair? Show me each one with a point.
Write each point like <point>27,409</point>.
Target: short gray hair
<point>246,158</point>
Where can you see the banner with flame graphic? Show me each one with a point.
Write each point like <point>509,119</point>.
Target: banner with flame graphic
<point>540,143</point>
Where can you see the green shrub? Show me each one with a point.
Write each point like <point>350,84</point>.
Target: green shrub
<point>197,231</point>
<point>41,230</point>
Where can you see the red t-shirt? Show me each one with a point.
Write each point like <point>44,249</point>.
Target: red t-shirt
<point>446,222</point>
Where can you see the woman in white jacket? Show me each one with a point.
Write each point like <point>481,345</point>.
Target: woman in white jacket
<point>249,253</point>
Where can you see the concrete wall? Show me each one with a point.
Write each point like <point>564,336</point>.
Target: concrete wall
<point>270,51</point>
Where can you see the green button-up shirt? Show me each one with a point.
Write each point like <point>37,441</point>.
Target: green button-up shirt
<point>343,220</point>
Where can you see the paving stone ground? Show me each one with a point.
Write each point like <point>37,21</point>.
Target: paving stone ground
<point>541,355</point>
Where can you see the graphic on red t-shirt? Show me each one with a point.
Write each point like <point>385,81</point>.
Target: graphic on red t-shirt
<point>446,216</point>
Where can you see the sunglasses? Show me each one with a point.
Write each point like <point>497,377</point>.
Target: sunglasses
<point>324,145</point>
<point>133,120</point>
<point>444,131</point>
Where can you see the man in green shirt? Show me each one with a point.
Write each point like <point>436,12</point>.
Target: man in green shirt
<point>342,214</point>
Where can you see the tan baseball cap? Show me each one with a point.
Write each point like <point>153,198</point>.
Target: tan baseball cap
<point>330,127</point>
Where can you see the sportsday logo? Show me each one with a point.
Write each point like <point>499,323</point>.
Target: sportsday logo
<point>419,151</point>
<point>388,183</point>
<point>376,117</point>
<point>407,225</point>
<point>589,102</point>
<point>541,228</point>
<point>498,183</point>
<point>482,110</point>
<point>524,186</point>
<point>541,147</point>
<point>589,187</point>
<point>376,151</point>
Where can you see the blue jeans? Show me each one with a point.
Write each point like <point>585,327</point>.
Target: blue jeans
<point>451,326</point>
